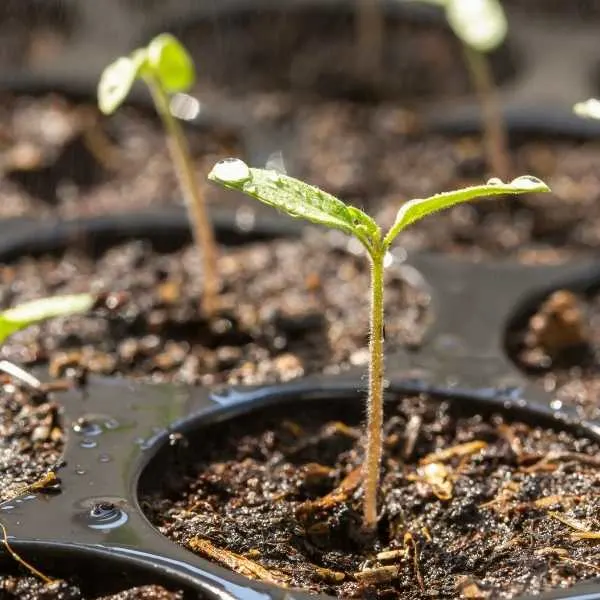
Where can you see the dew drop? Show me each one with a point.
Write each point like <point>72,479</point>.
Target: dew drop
<point>495,181</point>
<point>88,443</point>
<point>527,182</point>
<point>104,458</point>
<point>245,218</point>
<point>106,515</point>
<point>79,471</point>
<point>87,428</point>
<point>388,260</point>
<point>231,170</point>
<point>556,405</point>
<point>111,424</point>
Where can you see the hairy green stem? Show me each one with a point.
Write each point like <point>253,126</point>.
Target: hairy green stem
<point>372,463</point>
<point>494,132</point>
<point>202,230</point>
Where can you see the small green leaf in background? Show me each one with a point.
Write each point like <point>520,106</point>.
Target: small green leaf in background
<point>115,84</point>
<point>170,62</point>
<point>293,197</point>
<point>414,210</point>
<point>481,24</point>
<point>590,109</point>
<point>29,313</point>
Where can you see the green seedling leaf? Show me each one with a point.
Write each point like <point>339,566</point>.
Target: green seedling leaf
<point>171,64</point>
<point>117,80</point>
<point>294,197</point>
<point>480,24</point>
<point>414,210</point>
<point>20,317</point>
<point>590,109</point>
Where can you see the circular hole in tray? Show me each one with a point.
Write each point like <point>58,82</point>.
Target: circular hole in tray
<point>271,486</point>
<point>90,574</point>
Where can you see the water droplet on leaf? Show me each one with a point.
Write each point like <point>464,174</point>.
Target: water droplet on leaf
<point>527,182</point>
<point>231,170</point>
<point>495,181</point>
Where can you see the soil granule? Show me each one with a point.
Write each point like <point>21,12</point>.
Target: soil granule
<point>288,308</point>
<point>470,505</point>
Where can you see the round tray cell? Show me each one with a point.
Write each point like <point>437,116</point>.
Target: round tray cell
<point>83,574</point>
<point>472,497</point>
<point>289,307</point>
<point>310,51</point>
<point>60,157</point>
<point>555,339</point>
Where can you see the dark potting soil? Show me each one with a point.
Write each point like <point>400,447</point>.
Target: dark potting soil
<point>379,158</point>
<point>373,157</point>
<point>33,32</point>
<point>471,506</point>
<point>62,158</point>
<point>31,438</point>
<point>288,308</point>
<point>313,53</point>
<point>559,345</point>
<point>30,588</point>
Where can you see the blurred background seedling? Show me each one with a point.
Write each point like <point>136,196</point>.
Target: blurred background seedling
<point>167,68</point>
<point>481,26</point>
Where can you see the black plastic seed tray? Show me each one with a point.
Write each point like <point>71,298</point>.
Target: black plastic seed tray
<point>121,434</point>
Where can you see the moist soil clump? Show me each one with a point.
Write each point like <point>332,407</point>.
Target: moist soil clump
<point>60,158</point>
<point>32,438</point>
<point>30,588</point>
<point>288,308</point>
<point>558,344</point>
<point>470,505</point>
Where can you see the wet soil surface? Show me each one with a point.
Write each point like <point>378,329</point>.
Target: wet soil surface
<point>31,438</point>
<point>288,308</point>
<point>61,158</point>
<point>30,588</point>
<point>379,158</point>
<point>558,344</point>
<point>314,54</point>
<point>373,157</point>
<point>471,506</point>
<point>33,32</point>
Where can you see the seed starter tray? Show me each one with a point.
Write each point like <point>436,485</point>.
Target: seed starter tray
<point>120,432</point>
